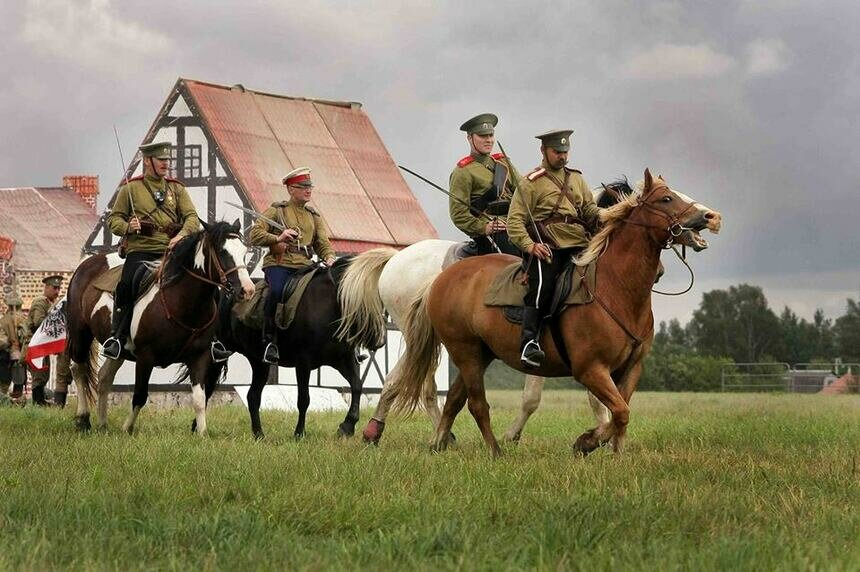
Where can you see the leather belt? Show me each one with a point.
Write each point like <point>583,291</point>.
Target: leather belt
<point>567,219</point>
<point>305,250</point>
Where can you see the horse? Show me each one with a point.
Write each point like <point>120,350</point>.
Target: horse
<point>602,344</point>
<point>173,321</point>
<point>310,342</point>
<point>397,276</point>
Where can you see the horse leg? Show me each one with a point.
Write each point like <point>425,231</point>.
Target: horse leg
<point>601,413</point>
<point>473,379</point>
<point>142,371</point>
<point>198,370</point>
<point>626,386</point>
<point>373,431</point>
<point>259,376</point>
<point>303,379</point>
<point>454,403</point>
<point>351,372</point>
<point>107,373</point>
<point>532,390</point>
<point>431,400</point>
<point>600,383</point>
<point>82,415</point>
<point>213,373</point>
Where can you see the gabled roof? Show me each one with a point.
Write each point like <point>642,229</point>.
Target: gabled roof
<point>48,226</point>
<point>358,188</point>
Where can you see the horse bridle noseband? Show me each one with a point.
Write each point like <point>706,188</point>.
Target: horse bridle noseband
<point>675,228</point>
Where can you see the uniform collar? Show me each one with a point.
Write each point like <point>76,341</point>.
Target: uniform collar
<point>551,171</point>
<point>483,159</point>
<point>294,203</point>
<point>154,180</point>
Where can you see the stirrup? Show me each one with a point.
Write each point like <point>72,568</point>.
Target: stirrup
<point>112,348</point>
<point>271,354</point>
<point>218,352</point>
<point>532,355</point>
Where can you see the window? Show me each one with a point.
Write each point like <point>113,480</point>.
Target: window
<point>192,163</point>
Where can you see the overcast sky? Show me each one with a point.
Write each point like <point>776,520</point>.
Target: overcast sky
<point>751,107</point>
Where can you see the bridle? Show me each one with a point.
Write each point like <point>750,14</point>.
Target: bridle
<point>674,227</point>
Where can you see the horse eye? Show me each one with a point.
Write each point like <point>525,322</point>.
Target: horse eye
<point>667,199</point>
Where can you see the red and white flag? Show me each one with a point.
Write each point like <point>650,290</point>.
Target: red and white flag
<point>49,338</point>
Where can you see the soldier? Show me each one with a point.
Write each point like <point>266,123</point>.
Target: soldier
<point>13,340</point>
<point>289,250</point>
<point>482,180</point>
<point>152,212</point>
<point>551,216</point>
<point>39,309</point>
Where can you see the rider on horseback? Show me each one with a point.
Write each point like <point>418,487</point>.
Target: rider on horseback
<point>152,212</point>
<point>290,250</point>
<point>482,180</point>
<point>552,215</point>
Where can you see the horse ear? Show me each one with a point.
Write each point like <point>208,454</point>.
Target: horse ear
<point>648,180</point>
<point>204,225</point>
<point>237,226</point>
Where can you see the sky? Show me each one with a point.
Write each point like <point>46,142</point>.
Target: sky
<point>750,107</point>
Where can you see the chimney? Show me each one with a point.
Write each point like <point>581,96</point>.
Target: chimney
<point>87,187</point>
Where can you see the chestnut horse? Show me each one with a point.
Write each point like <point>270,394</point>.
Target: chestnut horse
<point>604,342</point>
<point>174,321</point>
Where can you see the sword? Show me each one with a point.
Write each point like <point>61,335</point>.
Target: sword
<point>515,178</point>
<point>472,209</point>
<point>255,214</point>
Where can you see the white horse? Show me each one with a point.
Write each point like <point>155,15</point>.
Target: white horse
<point>396,277</point>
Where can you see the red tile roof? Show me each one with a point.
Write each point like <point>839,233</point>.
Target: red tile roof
<point>48,226</point>
<point>7,247</point>
<point>358,188</point>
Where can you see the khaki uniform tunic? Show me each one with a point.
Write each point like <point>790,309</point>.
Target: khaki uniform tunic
<point>306,220</point>
<point>469,180</point>
<point>177,208</point>
<point>14,326</point>
<point>538,193</point>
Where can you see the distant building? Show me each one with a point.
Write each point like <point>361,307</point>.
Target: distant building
<point>234,144</point>
<point>42,230</point>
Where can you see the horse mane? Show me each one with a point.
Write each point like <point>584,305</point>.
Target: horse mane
<point>339,267</point>
<point>182,255</point>
<point>620,198</point>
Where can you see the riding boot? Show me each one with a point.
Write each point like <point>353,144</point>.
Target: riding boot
<point>270,339</point>
<point>16,392</point>
<point>60,399</point>
<point>38,396</point>
<point>112,348</point>
<point>219,352</point>
<point>532,354</point>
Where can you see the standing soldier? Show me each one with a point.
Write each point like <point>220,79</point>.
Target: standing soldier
<point>152,213</point>
<point>482,180</point>
<point>39,309</point>
<point>13,337</point>
<point>552,215</point>
<point>290,250</point>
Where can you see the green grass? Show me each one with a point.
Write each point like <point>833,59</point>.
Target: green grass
<point>707,482</point>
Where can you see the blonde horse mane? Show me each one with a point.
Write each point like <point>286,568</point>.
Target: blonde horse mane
<point>611,218</point>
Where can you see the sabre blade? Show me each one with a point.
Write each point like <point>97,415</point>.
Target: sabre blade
<point>255,214</point>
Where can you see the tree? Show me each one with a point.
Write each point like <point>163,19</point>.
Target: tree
<point>847,332</point>
<point>735,323</point>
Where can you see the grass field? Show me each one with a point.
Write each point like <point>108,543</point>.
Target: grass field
<point>707,482</point>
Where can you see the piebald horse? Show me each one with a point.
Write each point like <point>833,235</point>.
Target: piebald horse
<point>604,342</point>
<point>173,321</point>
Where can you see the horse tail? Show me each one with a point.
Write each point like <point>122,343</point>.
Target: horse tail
<point>362,313</point>
<point>410,381</point>
<point>89,381</point>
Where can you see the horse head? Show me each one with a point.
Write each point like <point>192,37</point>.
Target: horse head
<point>221,255</point>
<point>674,217</point>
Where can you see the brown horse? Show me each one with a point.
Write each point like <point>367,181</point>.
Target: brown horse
<point>173,321</point>
<point>604,342</point>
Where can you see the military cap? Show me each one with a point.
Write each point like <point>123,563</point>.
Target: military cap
<point>480,124</point>
<point>56,280</point>
<point>160,150</point>
<point>13,300</point>
<point>300,177</point>
<point>558,140</point>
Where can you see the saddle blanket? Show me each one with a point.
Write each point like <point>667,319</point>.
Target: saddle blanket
<point>250,312</point>
<point>509,287</point>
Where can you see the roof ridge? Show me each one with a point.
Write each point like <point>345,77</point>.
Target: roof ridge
<point>339,103</point>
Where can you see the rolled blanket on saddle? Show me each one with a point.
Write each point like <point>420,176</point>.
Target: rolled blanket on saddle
<point>250,312</point>
<point>511,285</point>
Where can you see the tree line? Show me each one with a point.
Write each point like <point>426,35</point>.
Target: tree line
<point>738,326</point>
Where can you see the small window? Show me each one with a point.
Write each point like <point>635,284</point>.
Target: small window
<point>192,164</point>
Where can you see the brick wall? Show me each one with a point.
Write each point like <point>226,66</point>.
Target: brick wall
<point>87,186</point>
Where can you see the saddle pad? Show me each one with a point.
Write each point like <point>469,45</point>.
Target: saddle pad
<point>507,289</point>
<point>456,252</point>
<point>107,281</point>
<point>250,312</point>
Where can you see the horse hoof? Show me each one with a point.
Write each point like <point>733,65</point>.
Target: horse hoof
<point>194,426</point>
<point>298,437</point>
<point>373,432</point>
<point>452,439</point>
<point>344,431</point>
<point>259,436</point>
<point>82,422</point>
<point>585,444</point>
<point>512,438</point>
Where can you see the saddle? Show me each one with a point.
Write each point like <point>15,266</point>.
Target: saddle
<point>140,283</point>
<point>250,312</point>
<point>573,287</point>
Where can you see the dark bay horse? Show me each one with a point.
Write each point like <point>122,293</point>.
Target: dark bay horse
<point>312,340</point>
<point>174,320</point>
<point>605,341</point>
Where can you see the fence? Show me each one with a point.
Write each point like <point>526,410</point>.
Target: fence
<point>800,378</point>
